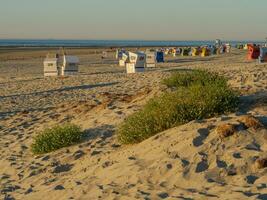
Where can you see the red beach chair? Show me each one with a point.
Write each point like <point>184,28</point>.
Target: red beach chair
<point>253,52</point>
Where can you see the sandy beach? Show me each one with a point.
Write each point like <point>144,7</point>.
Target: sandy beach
<point>186,162</point>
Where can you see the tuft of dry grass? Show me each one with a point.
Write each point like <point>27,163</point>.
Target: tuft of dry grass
<point>226,130</point>
<point>251,122</point>
<point>261,163</point>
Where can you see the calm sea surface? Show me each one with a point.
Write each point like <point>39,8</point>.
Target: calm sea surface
<point>107,43</point>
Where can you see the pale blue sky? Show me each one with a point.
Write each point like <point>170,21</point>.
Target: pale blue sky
<point>134,19</point>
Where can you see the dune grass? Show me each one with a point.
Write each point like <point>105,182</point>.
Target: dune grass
<point>52,139</point>
<point>197,95</point>
<point>195,77</point>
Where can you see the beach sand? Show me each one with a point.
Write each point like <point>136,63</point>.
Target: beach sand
<point>186,162</point>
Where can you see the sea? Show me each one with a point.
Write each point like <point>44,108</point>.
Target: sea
<point>108,43</point>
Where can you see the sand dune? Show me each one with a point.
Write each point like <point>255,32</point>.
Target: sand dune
<point>186,162</point>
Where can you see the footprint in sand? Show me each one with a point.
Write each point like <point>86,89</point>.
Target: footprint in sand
<point>95,153</point>
<point>253,146</point>
<point>262,197</point>
<point>144,193</point>
<point>221,164</point>
<point>62,168</point>
<point>30,190</point>
<point>119,112</point>
<point>237,155</point>
<point>163,195</point>
<point>202,165</point>
<point>203,134</point>
<point>251,179</point>
<point>185,162</point>
<point>107,164</point>
<point>8,197</point>
<point>59,187</point>
<point>78,154</point>
<point>45,158</point>
<point>231,170</point>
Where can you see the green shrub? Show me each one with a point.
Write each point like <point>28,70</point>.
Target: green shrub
<point>195,101</point>
<point>57,137</point>
<point>188,78</point>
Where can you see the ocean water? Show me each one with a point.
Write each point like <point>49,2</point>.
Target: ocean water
<point>107,43</point>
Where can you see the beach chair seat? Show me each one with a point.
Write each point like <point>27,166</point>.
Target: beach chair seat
<point>70,65</point>
<point>160,57</point>
<point>150,59</point>
<point>185,52</point>
<point>195,51</point>
<point>253,52</point>
<point>205,52</point>
<point>50,67</point>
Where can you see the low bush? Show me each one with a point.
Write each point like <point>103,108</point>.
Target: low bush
<point>188,78</point>
<point>57,137</point>
<point>194,100</point>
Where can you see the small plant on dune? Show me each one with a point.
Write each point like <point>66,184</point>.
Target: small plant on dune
<point>226,130</point>
<point>251,122</point>
<point>188,78</point>
<point>57,137</point>
<point>194,100</point>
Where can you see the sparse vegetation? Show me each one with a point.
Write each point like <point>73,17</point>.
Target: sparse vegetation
<point>251,122</point>
<point>225,130</point>
<point>200,96</point>
<point>195,77</point>
<point>57,137</point>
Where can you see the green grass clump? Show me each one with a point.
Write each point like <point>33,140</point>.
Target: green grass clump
<point>188,78</point>
<point>191,101</point>
<point>57,137</point>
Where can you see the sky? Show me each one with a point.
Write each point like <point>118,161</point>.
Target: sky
<point>134,19</point>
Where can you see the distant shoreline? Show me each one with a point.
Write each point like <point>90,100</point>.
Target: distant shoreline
<point>4,43</point>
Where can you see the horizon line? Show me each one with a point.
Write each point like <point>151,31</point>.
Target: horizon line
<point>155,40</point>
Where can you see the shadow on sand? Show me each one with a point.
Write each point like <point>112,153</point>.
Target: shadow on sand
<point>80,87</point>
<point>189,59</point>
<point>105,131</point>
<point>249,102</point>
<point>22,111</point>
<point>21,81</point>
